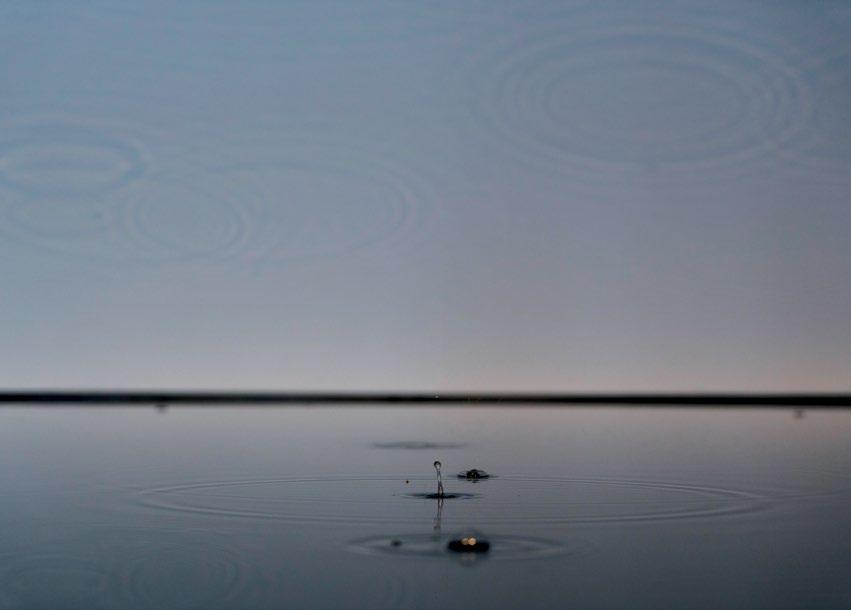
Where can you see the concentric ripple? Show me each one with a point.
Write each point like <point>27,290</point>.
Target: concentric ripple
<point>824,148</point>
<point>76,191</point>
<point>181,570</point>
<point>48,578</point>
<point>512,500</point>
<point>321,201</point>
<point>265,207</point>
<point>183,216</point>
<point>607,97</point>
<point>66,160</point>
<point>434,545</point>
<point>59,180</point>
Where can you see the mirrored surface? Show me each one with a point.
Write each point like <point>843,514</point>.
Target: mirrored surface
<point>183,507</point>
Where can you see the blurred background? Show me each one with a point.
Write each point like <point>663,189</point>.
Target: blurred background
<point>505,196</point>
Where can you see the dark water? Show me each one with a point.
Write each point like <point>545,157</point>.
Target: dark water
<point>321,508</point>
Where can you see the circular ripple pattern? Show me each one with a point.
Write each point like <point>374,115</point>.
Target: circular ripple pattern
<point>510,500</point>
<point>610,98</point>
<point>71,161</point>
<point>181,570</point>
<point>59,180</point>
<point>825,147</point>
<point>181,217</point>
<point>77,190</point>
<point>321,201</point>
<point>42,580</point>
<point>434,545</point>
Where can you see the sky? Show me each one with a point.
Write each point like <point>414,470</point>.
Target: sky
<point>448,196</point>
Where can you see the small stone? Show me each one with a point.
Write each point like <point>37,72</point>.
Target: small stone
<point>474,474</point>
<point>469,545</point>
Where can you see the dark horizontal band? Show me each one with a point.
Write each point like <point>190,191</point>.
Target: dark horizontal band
<point>177,397</point>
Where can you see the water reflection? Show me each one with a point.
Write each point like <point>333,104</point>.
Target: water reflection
<point>122,508</point>
<point>418,445</point>
<point>501,548</point>
<point>70,161</point>
<point>614,95</point>
<point>89,191</point>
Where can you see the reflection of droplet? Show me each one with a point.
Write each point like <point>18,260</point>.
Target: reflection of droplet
<point>438,518</point>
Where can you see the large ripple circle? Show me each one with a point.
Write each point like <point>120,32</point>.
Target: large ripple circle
<point>302,202</point>
<point>617,100</point>
<point>824,148</point>
<point>513,500</point>
<point>182,570</point>
<point>323,202</point>
<point>182,215</point>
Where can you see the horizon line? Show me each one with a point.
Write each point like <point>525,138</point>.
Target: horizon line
<point>271,397</point>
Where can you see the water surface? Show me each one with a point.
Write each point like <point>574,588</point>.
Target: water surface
<point>321,507</point>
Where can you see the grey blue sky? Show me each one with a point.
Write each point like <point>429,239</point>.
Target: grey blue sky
<point>473,195</point>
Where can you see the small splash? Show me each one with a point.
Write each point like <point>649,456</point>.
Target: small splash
<point>440,494</point>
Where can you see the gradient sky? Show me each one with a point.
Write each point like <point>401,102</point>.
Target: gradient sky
<point>480,195</point>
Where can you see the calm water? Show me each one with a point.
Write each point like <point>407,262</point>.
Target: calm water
<point>318,508</point>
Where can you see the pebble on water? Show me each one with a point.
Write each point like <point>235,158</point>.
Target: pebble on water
<point>473,473</point>
<point>469,545</point>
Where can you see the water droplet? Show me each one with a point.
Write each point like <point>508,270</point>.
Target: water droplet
<point>437,466</point>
